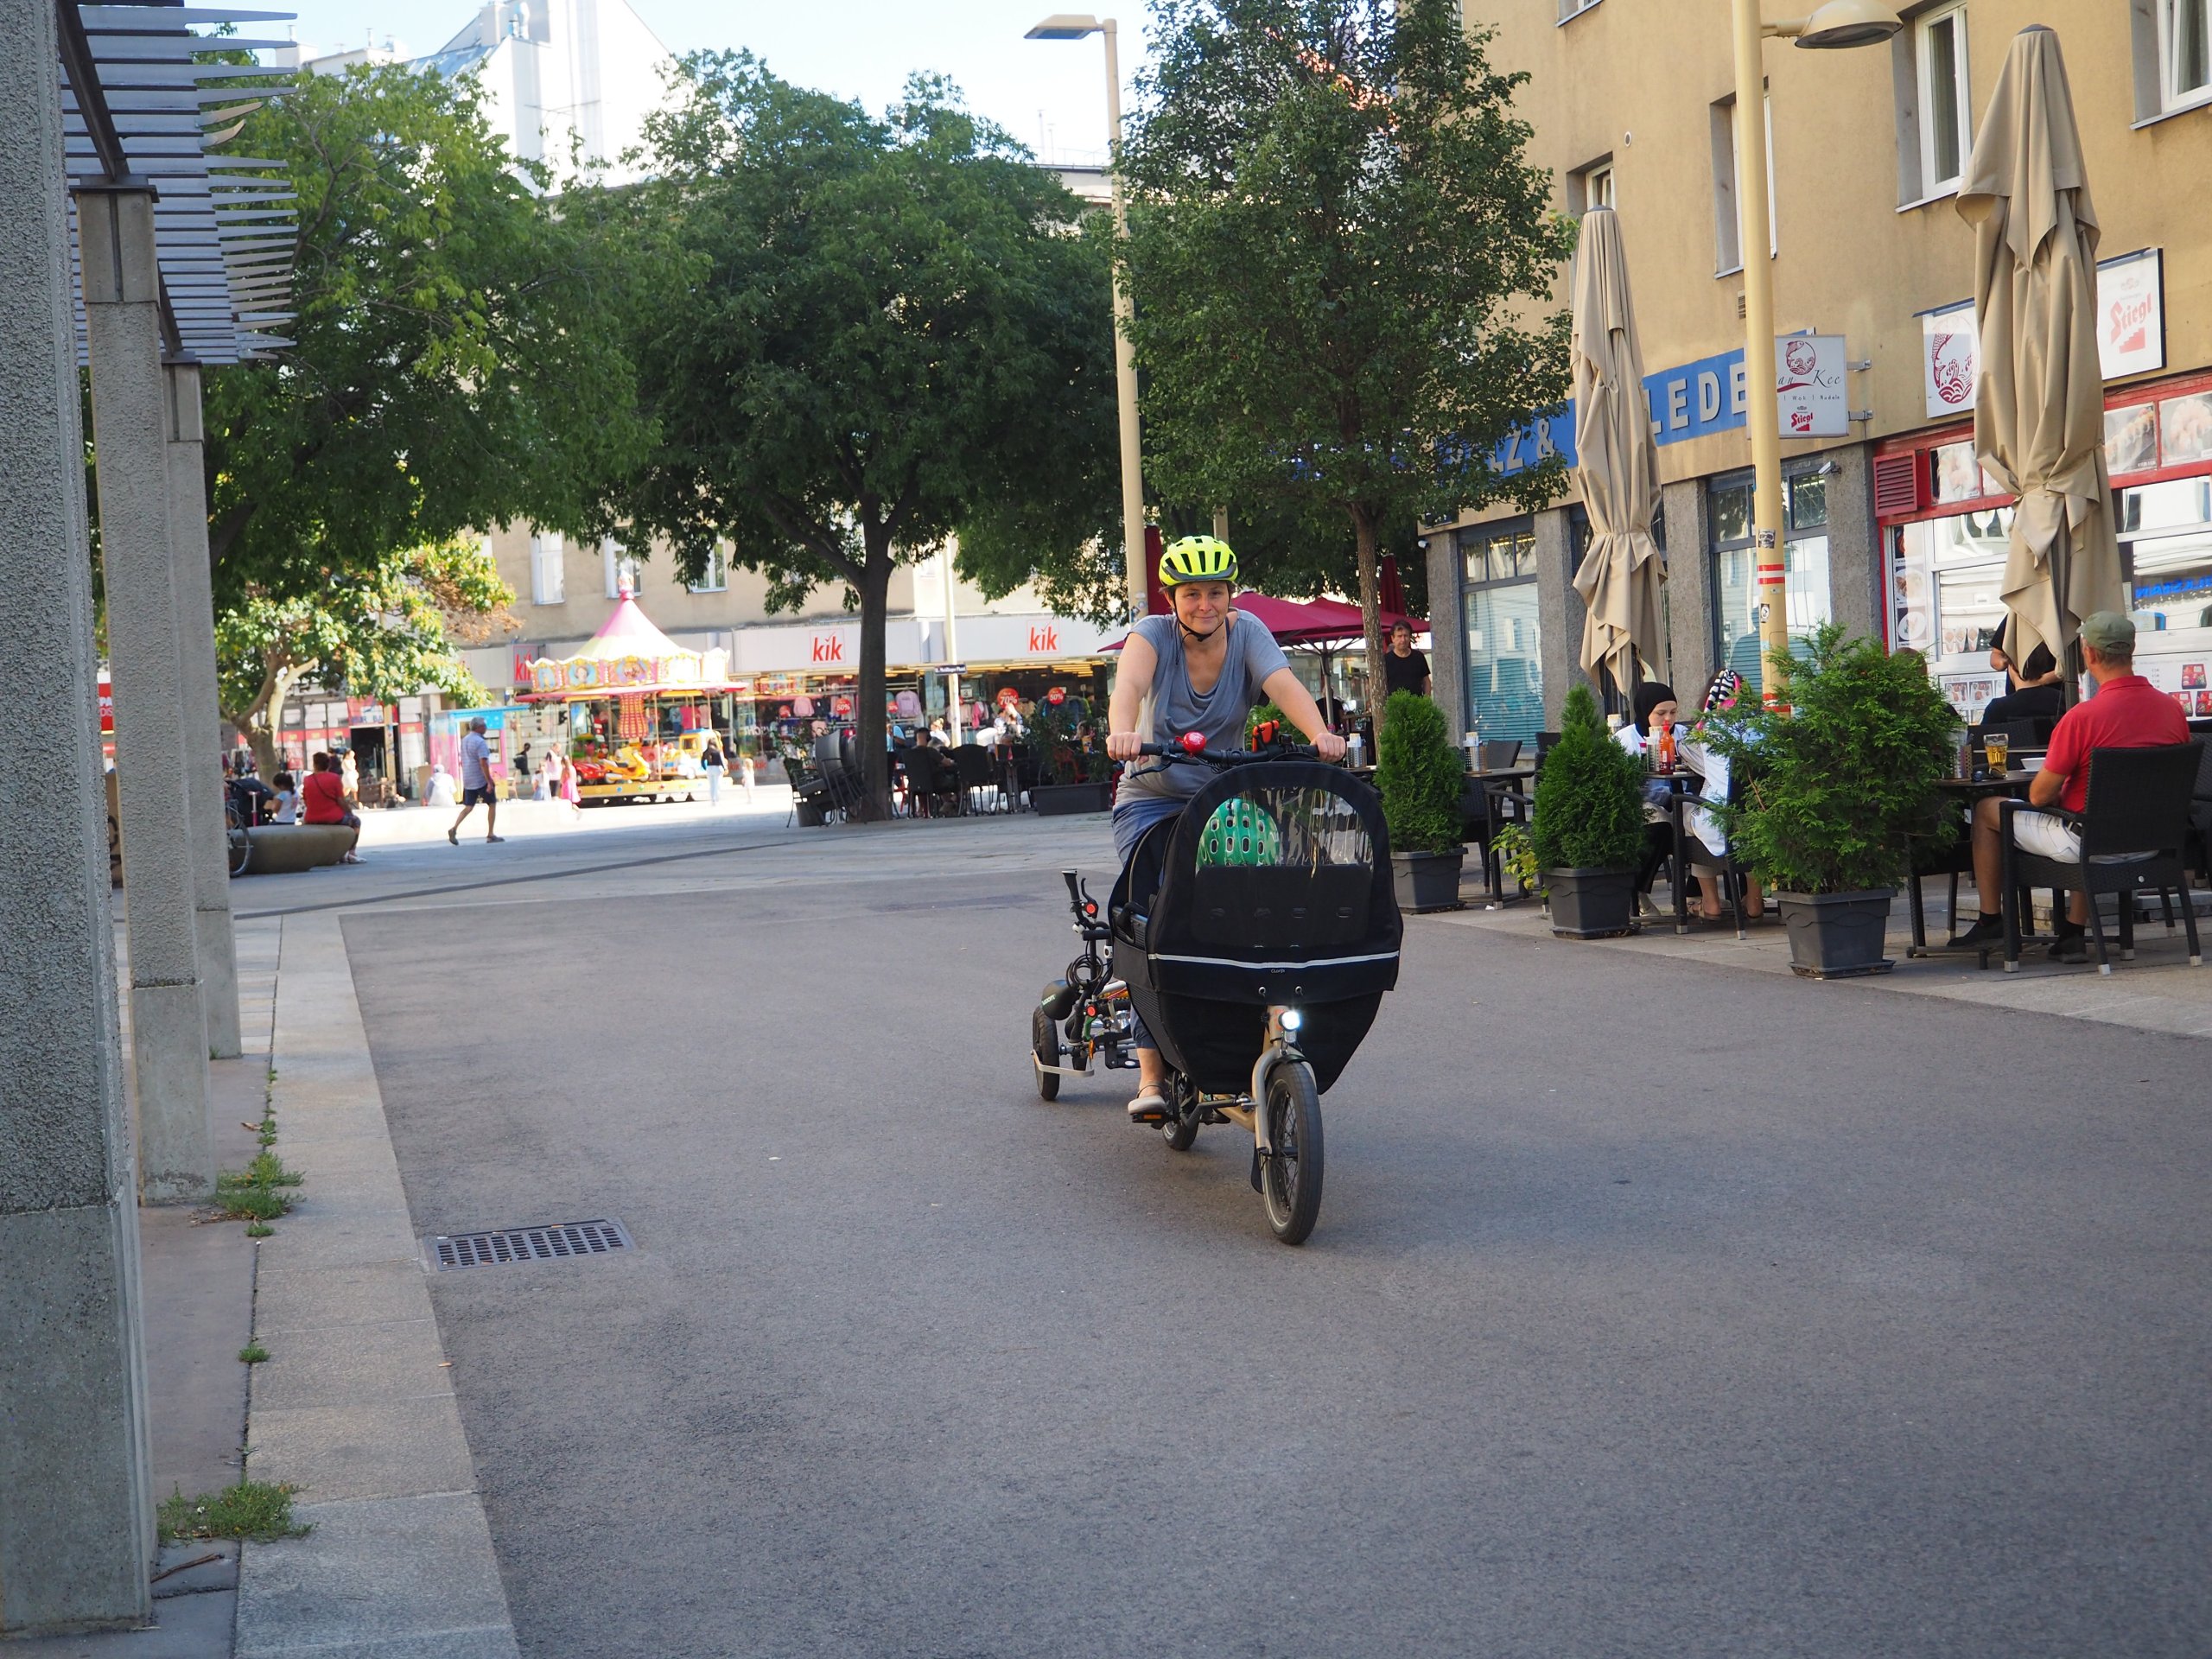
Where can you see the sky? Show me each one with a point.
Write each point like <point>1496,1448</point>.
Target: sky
<point>1049,94</point>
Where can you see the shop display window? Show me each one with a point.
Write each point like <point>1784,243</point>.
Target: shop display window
<point>1735,587</point>
<point>1505,678</point>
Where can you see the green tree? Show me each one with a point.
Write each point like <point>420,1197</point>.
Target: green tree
<point>1340,258</point>
<point>387,631</point>
<point>1589,807</point>
<point>884,331</point>
<point>458,359</point>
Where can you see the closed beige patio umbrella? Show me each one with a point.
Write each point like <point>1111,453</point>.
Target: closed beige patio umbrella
<point>1616,463</point>
<point>2039,409</point>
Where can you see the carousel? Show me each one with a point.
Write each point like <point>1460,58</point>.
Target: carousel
<point>637,709</point>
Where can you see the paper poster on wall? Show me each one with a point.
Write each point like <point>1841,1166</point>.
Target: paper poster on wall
<point>2132,314</point>
<point>1949,360</point>
<point>1809,387</point>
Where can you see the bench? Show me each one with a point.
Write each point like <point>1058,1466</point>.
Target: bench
<point>286,848</point>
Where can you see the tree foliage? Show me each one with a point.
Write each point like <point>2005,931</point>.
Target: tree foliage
<point>1419,775</point>
<point>883,330</point>
<point>458,357</point>
<point>1832,784</point>
<point>385,633</point>
<point>1338,257</point>
<point>1589,809</point>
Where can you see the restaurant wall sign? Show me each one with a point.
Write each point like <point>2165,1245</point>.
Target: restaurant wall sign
<point>615,675</point>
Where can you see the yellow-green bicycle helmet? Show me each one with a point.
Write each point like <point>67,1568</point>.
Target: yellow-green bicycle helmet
<point>1240,832</point>
<point>1197,558</point>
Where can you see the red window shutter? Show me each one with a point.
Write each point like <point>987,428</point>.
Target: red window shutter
<point>1896,483</point>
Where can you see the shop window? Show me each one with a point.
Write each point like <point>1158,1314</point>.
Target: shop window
<point>548,573</point>
<point>1935,112</point>
<point>1505,685</point>
<point>1727,211</point>
<point>2173,55</point>
<point>1735,584</point>
<point>2166,551</point>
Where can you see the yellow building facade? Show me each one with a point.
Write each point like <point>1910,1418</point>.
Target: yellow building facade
<point>1892,530</point>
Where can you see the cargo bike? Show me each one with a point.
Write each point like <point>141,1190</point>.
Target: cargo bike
<point>1255,935</point>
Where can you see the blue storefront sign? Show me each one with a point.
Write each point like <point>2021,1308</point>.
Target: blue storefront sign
<point>1686,402</point>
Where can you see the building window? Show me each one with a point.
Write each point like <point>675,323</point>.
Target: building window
<point>1735,575</point>
<point>1727,212</point>
<point>622,572</point>
<point>1573,8</point>
<point>1935,109</point>
<point>714,575</point>
<point>1591,187</point>
<point>548,571</point>
<point>1505,681</point>
<point>2184,53</point>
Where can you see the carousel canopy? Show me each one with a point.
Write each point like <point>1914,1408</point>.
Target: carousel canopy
<point>630,658</point>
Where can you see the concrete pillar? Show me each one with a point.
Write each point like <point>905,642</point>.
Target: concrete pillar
<point>217,951</point>
<point>1854,548</point>
<point>169,1028</point>
<point>1560,611</point>
<point>1447,631</point>
<point>76,1509</point>
<point>1689,589</point>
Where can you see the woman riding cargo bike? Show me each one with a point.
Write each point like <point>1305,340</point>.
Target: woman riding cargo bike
<point>1252,929</point>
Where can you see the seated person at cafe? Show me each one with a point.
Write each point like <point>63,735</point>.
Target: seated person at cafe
<point>323,800</point>
<point>1722,693</point>
<point>2127,712</point>
<point>2035,690</point>
<point>1653,709</point>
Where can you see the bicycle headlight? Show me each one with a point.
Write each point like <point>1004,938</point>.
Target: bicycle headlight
<point>1292,1019</point>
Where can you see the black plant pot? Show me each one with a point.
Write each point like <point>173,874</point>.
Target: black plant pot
<point>1050,800</point>
<point>810,814</point>
<point>1592,904</point>
<point>1428,882</point>
<point>1836,935</point>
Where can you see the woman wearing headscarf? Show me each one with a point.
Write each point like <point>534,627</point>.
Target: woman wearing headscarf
<point>1653,709</point>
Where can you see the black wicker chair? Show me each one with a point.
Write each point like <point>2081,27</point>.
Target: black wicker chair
<point>2134,828</point>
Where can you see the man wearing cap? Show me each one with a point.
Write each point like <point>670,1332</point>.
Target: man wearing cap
<point>2127,712</point>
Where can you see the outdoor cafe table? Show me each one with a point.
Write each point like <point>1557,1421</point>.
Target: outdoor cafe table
<point>1965,792</point>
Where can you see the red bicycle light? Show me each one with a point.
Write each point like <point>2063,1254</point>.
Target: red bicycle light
<point>1194,743</point>
<point>1090,907</point>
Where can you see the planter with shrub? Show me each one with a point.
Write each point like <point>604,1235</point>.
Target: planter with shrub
<point>1058,788</point>
<point>1831,790</point>
<point>1587,827</point>
<point>1418,773</point>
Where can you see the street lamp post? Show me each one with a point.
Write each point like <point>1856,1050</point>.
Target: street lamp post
<point>1069,26</point>
<point>1839,23</point>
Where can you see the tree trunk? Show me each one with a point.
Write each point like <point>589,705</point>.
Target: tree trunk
<point>261,720</point>
<point>1370,611</point>
<point>876,605</point>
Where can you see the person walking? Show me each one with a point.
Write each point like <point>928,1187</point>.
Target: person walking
<point>711,764</point>
<point>1404,668</point>
<point>569,789</point>
<point>476,784</point>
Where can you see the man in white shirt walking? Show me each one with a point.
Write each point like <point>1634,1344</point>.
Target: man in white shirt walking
<point>476,784</point>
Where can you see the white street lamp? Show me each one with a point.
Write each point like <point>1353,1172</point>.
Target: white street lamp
<point>1068,26</point>
<point>1836,24</point>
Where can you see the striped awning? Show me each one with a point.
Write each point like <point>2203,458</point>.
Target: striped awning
<point>139,104</point>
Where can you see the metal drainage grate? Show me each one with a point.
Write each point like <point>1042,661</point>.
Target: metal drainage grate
<point>508,1244</point>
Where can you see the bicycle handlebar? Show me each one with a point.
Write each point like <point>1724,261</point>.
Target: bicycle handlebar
<point>1229,757</point>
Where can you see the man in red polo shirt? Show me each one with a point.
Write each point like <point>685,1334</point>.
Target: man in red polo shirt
<point>2127,712</point>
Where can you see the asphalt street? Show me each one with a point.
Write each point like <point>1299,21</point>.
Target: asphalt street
<point>1655,1309</point>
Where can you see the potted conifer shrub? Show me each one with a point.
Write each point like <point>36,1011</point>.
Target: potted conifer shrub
<point>1587,827</point>
<point>1417,773</point>
<point>1831,789</point>
<point>1058,790</point>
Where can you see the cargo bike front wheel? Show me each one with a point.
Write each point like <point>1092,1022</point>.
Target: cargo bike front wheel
<point>1290,1169</point>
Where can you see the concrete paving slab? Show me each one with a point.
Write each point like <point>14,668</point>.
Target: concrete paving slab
<point>352,1364</point>
<point>395,1576</point>
<point>393,1449</point>
<point>337,1240</point>
<point>297,1300</point>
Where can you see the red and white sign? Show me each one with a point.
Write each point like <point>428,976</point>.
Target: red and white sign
<point>1009,697</point>
<point>107,705</point>
<point>2132,314</point>
<point>841,707</point>
<point>828,648</point>
<point>1044,640</point>
<point>1950,359</point>
<point>1809,387</point>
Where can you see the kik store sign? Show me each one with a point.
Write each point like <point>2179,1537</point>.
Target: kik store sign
<point>1692,400</point>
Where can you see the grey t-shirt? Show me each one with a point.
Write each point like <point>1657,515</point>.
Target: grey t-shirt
<point>1220,713</point>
